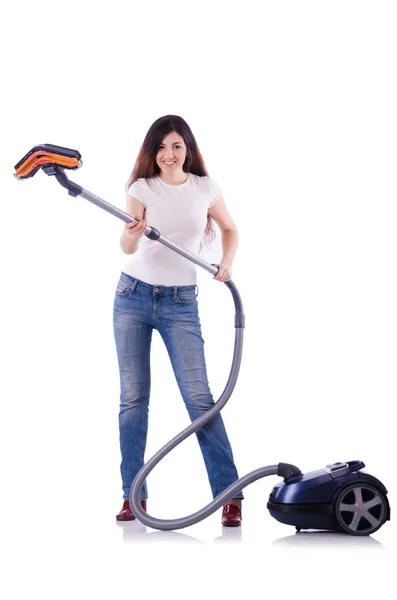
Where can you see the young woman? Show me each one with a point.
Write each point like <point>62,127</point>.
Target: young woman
<point>169,188</point>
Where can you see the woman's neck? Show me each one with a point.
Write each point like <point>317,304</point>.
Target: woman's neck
<point>174,178</point>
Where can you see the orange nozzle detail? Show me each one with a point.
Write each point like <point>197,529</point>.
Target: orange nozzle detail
<point>40,158</point>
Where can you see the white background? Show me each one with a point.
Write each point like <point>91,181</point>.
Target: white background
<point>293,105</point>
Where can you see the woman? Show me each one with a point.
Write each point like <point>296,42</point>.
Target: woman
<point>169,188</point>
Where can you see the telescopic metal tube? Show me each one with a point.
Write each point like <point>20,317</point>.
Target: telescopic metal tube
<point>148,231</point>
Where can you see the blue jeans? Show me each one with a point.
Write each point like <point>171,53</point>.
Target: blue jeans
<point>173,311</point>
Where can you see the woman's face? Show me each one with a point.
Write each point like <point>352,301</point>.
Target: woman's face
<point>172,153</point>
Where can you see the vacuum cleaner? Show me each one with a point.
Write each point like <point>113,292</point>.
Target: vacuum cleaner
<point>340,497</point>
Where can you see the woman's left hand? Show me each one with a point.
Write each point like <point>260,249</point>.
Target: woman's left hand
<point>224,273</point>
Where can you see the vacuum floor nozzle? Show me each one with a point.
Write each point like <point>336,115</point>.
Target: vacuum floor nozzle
<point>45,155</point>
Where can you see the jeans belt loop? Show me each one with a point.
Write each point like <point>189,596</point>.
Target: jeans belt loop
<point>174,296</point>
<point>134,285</point>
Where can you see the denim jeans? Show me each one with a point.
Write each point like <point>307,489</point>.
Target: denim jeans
<point>173,312</point>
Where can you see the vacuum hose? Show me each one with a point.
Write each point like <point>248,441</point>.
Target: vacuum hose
<point>235,487</point>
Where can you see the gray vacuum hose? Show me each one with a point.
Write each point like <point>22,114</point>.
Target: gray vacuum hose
<point>229,492</point>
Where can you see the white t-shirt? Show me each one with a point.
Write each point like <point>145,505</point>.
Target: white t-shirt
<point>179,212</point>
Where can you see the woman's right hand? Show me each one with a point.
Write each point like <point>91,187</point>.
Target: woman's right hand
<point>135,229</point>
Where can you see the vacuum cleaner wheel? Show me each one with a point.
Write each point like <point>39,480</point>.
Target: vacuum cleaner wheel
<point>360,509</point>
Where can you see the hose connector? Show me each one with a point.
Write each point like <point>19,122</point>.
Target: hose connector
<point>285,470</point>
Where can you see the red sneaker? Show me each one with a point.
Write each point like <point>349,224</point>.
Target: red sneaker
<point>126,513</point>
<point>231,515</point>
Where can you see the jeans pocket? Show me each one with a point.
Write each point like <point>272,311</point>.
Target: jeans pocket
<point>123,286</point>
<point>187,296</point>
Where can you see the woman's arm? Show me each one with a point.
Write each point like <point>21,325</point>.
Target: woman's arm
<point>222,217</point>
<point>129,241</point>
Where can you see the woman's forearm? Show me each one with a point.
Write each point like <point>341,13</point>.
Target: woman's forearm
<point>229,246</point>
<point>129,244</point>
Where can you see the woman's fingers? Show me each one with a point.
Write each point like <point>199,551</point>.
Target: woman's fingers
<point>136,227</point>
<point>133,225</point>
<point>223,274</point>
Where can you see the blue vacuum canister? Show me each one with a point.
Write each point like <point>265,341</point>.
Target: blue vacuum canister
<point>339,497</point>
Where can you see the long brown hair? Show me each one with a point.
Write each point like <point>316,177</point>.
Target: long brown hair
<point>146,165</point>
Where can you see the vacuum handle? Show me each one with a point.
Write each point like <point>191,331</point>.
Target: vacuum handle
<point>51,159</point>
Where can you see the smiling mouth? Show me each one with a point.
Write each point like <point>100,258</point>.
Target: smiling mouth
<point>169,163</point>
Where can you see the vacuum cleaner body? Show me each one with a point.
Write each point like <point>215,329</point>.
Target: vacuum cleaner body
<point>339,497</point>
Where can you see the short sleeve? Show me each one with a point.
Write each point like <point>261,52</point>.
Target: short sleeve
<point>137,190</point>
<point>215,192</point>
